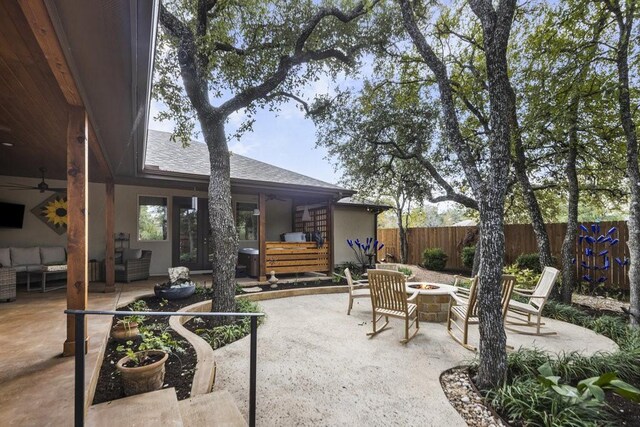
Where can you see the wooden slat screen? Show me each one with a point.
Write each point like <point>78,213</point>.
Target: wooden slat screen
<point>296,257</point>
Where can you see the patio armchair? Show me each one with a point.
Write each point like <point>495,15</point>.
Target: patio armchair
<point>389,299</point>
<point>519,313</point>
<point>134,266</point>
<point>357,289</point>
<point>7,283</point>
<point>465,310</point>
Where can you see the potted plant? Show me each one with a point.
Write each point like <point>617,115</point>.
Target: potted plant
<point>126,328</point>
<point>142,371</point>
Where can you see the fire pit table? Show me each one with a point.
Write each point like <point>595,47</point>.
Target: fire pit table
<point>433,300</point>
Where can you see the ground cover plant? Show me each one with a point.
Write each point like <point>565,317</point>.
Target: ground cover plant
<point>219,336</point>
<point>543,389</point>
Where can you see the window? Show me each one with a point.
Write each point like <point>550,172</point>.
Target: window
<point>152,218</point>
<point>246,221</point>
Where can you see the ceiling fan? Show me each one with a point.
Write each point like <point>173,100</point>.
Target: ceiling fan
<point>42,186</point>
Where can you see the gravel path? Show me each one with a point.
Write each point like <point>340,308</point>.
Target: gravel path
<point>424,275</point>
<point>316,366</point>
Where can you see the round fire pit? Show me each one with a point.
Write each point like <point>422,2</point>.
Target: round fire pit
<point>423,286</point>
<point>433,300</point>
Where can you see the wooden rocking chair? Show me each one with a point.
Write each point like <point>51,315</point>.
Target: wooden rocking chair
<point>520,313</point>
<point>357,289</point>
<point>389,299</point>
<point>466,309</point>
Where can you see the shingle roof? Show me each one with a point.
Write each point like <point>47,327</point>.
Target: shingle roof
<point>356,201</point>
<point>168,156</point>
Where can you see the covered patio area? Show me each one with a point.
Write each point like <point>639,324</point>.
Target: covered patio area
<point>37,382</point>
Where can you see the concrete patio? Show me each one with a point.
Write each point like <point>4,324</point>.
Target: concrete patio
<point>316,366</point>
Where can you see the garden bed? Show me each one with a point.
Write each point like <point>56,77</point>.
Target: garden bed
<point>527,402</point>
<point>180,367</point>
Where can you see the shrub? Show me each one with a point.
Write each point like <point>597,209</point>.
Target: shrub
<point>405,270</point>
<point>468,253</point>
<point>529,261</point>
<point>525,278</point>
<point>434,259</point>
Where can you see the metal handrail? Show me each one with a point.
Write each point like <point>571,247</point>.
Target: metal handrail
<point>80,350</point>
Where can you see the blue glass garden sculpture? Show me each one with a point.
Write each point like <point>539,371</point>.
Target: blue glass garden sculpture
<point>365,251</point>
<point>596,248</point>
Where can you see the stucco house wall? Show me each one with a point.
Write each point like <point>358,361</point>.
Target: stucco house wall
<point>351,223</point>
<point>36,233</point>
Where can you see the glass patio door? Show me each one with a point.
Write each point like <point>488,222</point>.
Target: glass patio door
<point>191,234</point>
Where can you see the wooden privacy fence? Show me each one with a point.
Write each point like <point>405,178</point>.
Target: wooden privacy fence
<point>519,239</point>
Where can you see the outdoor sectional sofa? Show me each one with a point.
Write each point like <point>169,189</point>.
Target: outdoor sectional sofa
<point>37,259</point>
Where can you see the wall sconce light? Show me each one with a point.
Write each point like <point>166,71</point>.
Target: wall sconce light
<point>306,217</point>
<point>194,203</point>
<point>256,212</point>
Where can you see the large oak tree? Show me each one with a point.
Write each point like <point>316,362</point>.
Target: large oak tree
<point>216,58</point>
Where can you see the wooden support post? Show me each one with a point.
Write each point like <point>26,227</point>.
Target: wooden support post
<point>77,225</point>
<point>109,259</point>
<point>330,235</point>
<point>262,236</point>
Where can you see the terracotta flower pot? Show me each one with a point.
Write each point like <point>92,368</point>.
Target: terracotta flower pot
<point>142,379</point>
<point>125,331</point>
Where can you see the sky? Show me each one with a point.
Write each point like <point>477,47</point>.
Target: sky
<point>285,138</point>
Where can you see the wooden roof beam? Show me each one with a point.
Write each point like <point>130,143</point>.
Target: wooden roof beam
<point>42,27</point>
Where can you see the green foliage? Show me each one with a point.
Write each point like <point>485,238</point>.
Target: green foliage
<point>220,336</point>
<point>434,259</point>
<point>154,337</point>
<point>528,402</point>
<point>405,270</point>
<point>467,255</point>
<point>529,262</point>
<point>589,389</point>
<point>355,269</point>
<point>525,278</point>
<point>139,305</point>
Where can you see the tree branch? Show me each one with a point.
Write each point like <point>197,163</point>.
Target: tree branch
<point>452,126</point>
<point>194,83</point>
<point>300,56</point>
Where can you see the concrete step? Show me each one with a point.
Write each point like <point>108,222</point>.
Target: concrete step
<point>157,408</point>
<point>211,409</point>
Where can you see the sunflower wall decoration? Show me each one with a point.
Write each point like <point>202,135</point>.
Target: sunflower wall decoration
<point>53,212</point>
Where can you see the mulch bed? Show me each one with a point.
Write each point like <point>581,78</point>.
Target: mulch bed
<point>470,404</point>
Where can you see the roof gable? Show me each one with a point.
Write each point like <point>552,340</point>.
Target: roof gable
<point>164,155</point>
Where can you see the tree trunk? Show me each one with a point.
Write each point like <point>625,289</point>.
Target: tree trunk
<point>476,256</point>
<point>633,172</point>
<point>569,243</point>
<point>224,240</point>
<point>404,244</point>
<point>520,166</point>
<point>493,340</point>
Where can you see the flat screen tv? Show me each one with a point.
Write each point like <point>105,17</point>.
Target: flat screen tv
<point>11,215</point>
